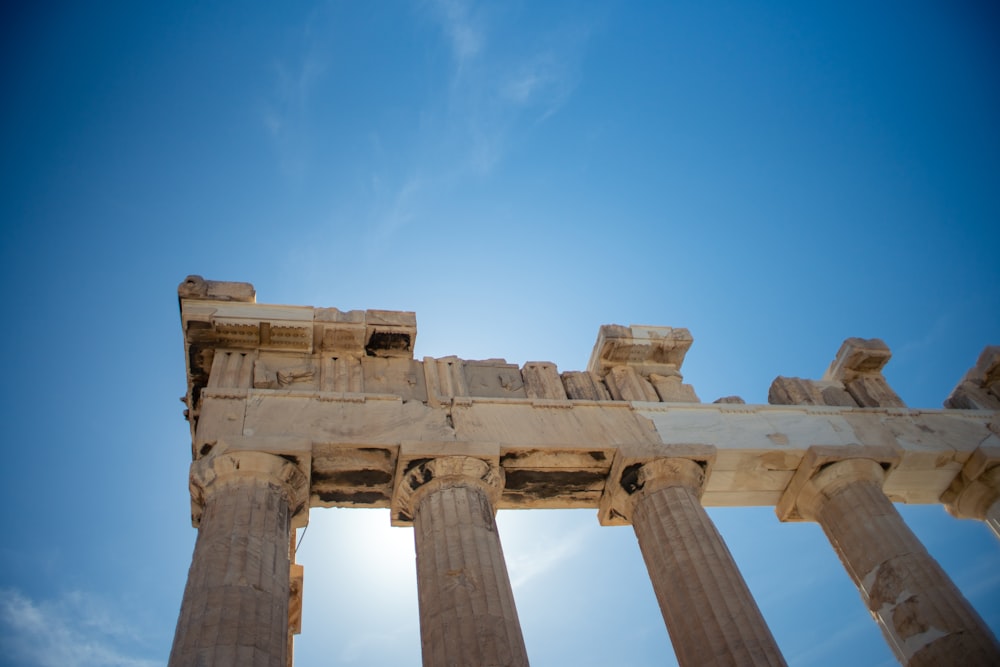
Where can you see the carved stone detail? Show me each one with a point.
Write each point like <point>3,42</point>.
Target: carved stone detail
<point>448,471</point>
<point>212,473</point>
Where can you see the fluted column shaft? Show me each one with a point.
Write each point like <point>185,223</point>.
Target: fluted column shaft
<point>924,617</point>
<point>467,613</point>
<point>710,614</point>
<point>235,605</point>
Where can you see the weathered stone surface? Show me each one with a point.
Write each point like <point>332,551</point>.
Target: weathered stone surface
<point>445,379</point>
<point>975,491</point>
<point>625,384</point>
<point>196,287</point>
<point>793,391</point>
<point>980,388</point>
<point>648,349</point>
<point>342,373</point>
<point>467,612</point>
<point>337,396</point>
<point>873,392</point>
<point>390,333</point>
<point>541,380</point>
<point>671,389</point>
<point>923,615</point>
<point>584,385</point>
<point>236,600</point>
<point>493,378</point>
<point>858,357</point>
<point>709,612</point>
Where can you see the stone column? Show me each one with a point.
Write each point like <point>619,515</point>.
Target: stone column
<point>975,491</point>
<point>467,613</point>
<point>235,606</point>
<point>710,614</point>
<point>924,617</point>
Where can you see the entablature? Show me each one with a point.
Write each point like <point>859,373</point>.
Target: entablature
<point>346,383</point>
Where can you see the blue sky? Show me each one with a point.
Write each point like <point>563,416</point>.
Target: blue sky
<point>775,178</point>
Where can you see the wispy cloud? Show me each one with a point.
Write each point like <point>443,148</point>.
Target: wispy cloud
<point>499,82</point>
<point>294,81</point>
<point>75,630</point>
<point>464,33</point>
<point>400,207</point>
<point>932,335</point>
<point>544,82</point>
<point>546,555</point>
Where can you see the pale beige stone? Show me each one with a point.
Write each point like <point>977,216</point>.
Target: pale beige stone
<point>858,357</point>
<point>975,492</point>
<point>709,612</point>
<point>671,389</point>
<point>585,385</point>
<point>237,594</point>
<point>196,287</point>
<point>648,349</point>
<point>924,617</point>
<point>541,380</point>
<point>493,378</point>
<point>625,384</point>
<point>980,388</point>
<point>337,396</point>
<point>467,612</point>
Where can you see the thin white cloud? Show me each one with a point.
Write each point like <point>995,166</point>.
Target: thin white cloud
<point>284,114</point>
<point>75,630</point>
<point>544,556</point>
<point>465,36</point>
<point>544,81</point>
<point>932,336</point>
<point>498,88</point>
<point>401,208</point>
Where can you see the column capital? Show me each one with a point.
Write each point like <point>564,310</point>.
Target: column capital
<point>794,504</point>
<point>226,469</point>
<point>976,487</point>
<point>425,476</point>
<point>833,477</point>
<point>644,470</point>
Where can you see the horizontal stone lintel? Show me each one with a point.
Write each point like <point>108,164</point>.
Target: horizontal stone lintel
<point>558,454</point>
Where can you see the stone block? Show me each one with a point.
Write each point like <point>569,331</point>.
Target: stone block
<point>872,391</point>
<point>196,287</point>
<point>341,373</point>
<point>584,386</point>
<point>353,475</point>
<point>793,391</point>
<point>625,384</point>
<point>390,333</point>
<point>445,379</point>
<point>493,378</point>
<point>980,388</point>
<point>541,380</point>
<point>615,506</point>
<point>340,331</point>
<point>649,349</point>
<point>819,456</point>
<point>394,375</point>
<point>858,356</point>
<point>671,389</point>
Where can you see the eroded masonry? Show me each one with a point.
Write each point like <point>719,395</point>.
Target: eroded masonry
<point>293,408</point>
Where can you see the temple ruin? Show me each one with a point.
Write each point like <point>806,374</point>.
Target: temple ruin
<point>294,407</point>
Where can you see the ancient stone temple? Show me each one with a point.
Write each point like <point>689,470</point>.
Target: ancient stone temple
<point>294,408</point>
